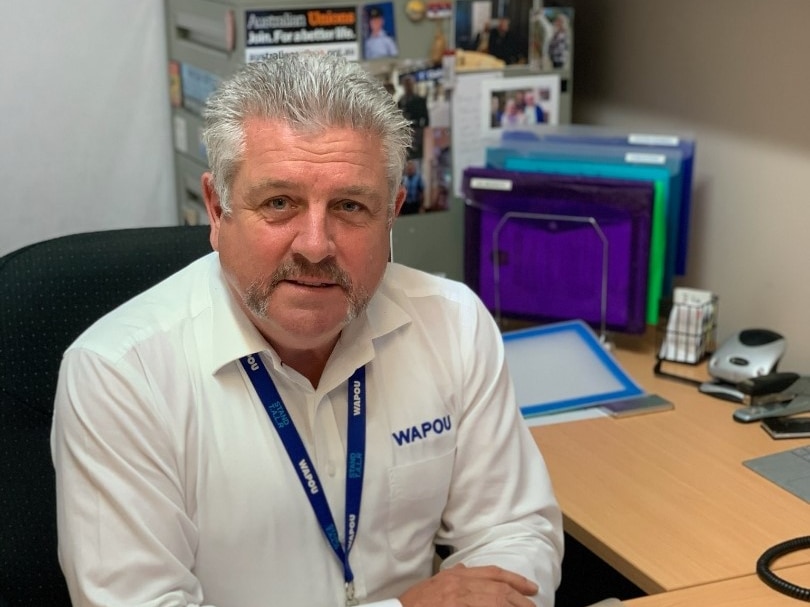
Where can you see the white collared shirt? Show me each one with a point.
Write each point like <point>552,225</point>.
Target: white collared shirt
<point>173,488</point>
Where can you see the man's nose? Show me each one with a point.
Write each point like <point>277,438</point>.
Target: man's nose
<point>314,239</point>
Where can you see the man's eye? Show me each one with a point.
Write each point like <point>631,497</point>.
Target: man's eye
<point>277,203</point>
<point>350,206</point>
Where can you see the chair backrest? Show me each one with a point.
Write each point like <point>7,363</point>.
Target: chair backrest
<point>49,293</point>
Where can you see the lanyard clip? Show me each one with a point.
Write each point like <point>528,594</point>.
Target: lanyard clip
<point>350,599</point>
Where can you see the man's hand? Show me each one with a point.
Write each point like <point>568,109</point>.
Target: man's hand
<point>462,586</point>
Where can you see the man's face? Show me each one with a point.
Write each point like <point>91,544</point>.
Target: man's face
<point>376,24</point>
<point>306,242</point>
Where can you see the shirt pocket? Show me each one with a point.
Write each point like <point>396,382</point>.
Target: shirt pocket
<point>418,494</point>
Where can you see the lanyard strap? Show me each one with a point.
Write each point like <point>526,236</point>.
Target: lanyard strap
<point>302,463</point>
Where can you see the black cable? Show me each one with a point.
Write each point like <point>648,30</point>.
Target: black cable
<point>774,581</point>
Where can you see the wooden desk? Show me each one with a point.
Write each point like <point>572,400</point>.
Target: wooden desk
<point>748,591</point>
<point>664,498</point>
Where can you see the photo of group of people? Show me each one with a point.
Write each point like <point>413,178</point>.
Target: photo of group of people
<point>495,38</point>
<point>520,102</point>
<point>428,171</point>
<point>427,179</point>
<point>499,28</point>
<point>515,108</point>
<point>516,32</point>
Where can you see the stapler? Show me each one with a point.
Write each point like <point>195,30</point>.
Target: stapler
<point>798,404</point>
<point>777,387</point>
<point>773,395</point>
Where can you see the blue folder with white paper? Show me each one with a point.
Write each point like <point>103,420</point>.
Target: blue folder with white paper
<point>563,366</point>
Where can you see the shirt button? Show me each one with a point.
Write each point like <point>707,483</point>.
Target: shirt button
<point>330,468</point>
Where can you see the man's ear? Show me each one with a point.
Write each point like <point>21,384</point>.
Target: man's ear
<point>212,207</point>
<point>400,200</point>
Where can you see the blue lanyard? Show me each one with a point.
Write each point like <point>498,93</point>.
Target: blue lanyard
<point>297,452</point>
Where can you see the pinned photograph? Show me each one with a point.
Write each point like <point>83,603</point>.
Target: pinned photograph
<point>427,174</point>
<point>514,103</point>
<point>379,33</point>
<point>551,38</point>
<point>496,29</point>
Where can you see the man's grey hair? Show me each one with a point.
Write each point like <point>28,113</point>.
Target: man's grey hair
<point>310,93</point>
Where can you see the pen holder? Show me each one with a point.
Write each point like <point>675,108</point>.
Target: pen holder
<point>686,334</point>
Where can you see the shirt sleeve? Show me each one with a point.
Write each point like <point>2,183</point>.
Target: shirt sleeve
<point>120,491</point>
<point>502,509</point>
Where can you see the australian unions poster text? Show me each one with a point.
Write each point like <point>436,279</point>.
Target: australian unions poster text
<point>328,30</point>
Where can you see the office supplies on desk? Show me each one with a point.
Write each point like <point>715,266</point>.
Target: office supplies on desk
<point>680,147</point>
<point>776,387</point>
<point>774,395</point>
<point>605,158</point>
<point>780,394</point>
<point>639,405</point>
<point>747,354</point>
<point>691,326</point>
<point>563,366</point>
<point>655,176</point>
<point>789,469</point>
<point>671,161</point>
<point>550,247</point>
<point>798,404</point>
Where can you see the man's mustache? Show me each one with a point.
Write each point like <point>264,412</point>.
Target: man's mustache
<point>298,268</point>
<point>257,294</point>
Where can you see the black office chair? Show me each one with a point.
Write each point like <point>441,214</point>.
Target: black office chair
<point>49,293</point>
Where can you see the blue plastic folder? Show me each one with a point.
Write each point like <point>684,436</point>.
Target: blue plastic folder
<point>563,366</point>
<point>677,147</point>
<point>657,280</point>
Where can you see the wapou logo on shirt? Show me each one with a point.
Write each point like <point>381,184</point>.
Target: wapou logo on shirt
<point>423,430</point>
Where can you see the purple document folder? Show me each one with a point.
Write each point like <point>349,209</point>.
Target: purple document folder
<point>543,231</point>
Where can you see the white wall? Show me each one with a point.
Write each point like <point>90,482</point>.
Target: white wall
<point>85,139</point>
<point>734,73</point>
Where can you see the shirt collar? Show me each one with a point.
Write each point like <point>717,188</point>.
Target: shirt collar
<point>232,334</point>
